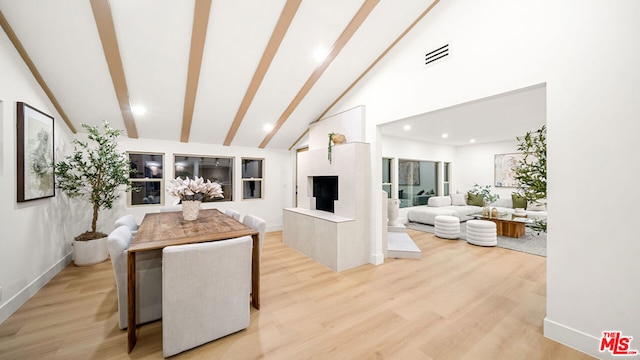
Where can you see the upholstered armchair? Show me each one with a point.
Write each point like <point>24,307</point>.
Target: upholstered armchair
<point>148,278</point>
<point>205,292</point>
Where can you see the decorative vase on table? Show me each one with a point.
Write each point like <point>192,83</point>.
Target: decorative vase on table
<point>486,208</point>
<point>190,209</point>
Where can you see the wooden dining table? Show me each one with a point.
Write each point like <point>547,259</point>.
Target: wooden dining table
<point>158,230</point>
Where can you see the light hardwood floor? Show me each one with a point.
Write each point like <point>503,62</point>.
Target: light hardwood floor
<point>458,302</point>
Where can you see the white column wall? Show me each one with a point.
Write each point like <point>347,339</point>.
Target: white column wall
<point>593,276</point>
<point>587,53</point>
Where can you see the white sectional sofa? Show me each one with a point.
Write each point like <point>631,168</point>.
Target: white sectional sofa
<point>456,205</point>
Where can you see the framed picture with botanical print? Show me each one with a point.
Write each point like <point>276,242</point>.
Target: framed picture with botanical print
<point>35,154</point>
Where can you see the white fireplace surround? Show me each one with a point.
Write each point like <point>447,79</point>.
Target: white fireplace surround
<point>340,240</point>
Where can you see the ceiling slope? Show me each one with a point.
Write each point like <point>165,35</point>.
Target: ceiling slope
<point>215,72</point>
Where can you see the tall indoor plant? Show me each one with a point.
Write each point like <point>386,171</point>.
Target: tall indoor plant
<point>97,171</point>
<point>531,171</point>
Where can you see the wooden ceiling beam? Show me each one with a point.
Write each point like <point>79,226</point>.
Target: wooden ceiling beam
<point>201,13</point>
<point>107,31</point>
<point>34,71</point>
<point>286,17</point>
<point>375,62</point>
<point>355,23</point>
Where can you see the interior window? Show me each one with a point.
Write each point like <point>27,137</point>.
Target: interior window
<point>386,176</point>
<point>252,178</point>
<point>214,168</point>
<point>417,182</point>
<point>147,178</point>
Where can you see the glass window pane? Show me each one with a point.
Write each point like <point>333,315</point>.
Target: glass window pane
<point>252,189</point>
<point>251,168</point>
<point>386,176</point>
<point>147,166</point>
<point>417,182</point>
<point>387,188</point>
<point>146,192</point>
<point>386,171</point>
<point>216,169</point>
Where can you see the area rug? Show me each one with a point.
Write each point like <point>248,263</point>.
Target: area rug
<point>531,242</point>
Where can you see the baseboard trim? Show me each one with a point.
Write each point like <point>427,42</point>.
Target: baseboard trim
<point>573,338</point>
<point>13,304</point>
<point>376,259</point>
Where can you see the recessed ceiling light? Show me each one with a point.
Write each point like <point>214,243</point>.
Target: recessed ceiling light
<point>267,127</point>
<point>320,53</point>
<point>445,135</point>
<point>407,127</point>
<point>138,110</point>
<point>472,141</point>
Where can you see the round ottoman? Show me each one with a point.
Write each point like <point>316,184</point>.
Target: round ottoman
<point>447,227</point>
<point>481,232</point>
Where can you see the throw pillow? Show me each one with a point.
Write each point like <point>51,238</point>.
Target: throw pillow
<point>421,192</point>
<point>458,200</point>
<point>518,201</point>
<point>474,199</point>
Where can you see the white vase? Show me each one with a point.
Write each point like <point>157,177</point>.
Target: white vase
<point>90,252</point>
<point>393,212</point>
<point>190,209</point>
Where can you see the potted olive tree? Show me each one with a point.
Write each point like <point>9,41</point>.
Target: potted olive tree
<point>531,172</point>
<point>98,172</point>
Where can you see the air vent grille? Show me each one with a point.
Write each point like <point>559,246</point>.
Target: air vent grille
<point>438,54</point>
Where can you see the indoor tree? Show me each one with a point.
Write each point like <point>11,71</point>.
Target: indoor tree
<point>96,171</point>
<point>531,171</point>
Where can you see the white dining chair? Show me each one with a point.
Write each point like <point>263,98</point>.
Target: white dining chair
<point>256,223</point>
<point>128,221</point>
<point>205,292</point>
<point>234,214</point>
<point>148,276</point>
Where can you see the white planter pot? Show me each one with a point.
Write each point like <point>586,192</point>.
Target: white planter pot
<point>90,252</point>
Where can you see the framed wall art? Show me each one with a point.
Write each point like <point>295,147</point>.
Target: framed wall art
<point>35,154</point>
<point>505,169</point>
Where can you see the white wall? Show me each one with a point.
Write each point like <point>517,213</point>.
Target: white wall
<point>35,244</point>
<point>587,53</point>
<point>277,179</point>
<point>593,271</point>
<point>474,164</point>
<point>37,234</point>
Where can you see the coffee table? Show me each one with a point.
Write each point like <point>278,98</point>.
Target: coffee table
<point>507,224</point>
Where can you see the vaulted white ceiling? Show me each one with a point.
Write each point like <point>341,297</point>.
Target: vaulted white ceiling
<point>207,71</point>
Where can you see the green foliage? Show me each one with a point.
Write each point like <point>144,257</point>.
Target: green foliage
<point>95,171</point>
<point>329,147</point>
<point>484,192</point>
<point>531,171</point>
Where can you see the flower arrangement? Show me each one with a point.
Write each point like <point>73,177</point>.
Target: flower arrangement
<point>194,189</point>
<point>485,193</point>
